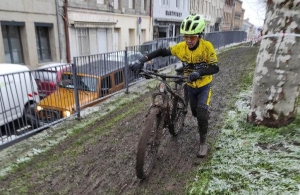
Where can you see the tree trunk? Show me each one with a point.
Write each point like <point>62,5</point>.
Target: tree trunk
<point>277,74</point>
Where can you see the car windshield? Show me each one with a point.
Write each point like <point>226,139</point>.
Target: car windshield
<point>83,83</point>
<point>44,75</point>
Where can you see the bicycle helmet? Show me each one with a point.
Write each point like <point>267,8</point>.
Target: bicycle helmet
<point>193,24</point>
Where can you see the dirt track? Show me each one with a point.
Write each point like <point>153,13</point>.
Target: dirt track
<point>100,158</point>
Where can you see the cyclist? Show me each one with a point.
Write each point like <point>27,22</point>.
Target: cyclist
<point>199,61</point>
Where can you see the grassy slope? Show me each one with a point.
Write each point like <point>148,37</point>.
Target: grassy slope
<point>249,159</point>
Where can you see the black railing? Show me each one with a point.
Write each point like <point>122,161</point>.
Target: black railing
<point>58,94</point>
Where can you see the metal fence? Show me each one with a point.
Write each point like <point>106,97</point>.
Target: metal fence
<point>222,39</point>
<point>34,100</point>
<point>18,91</point>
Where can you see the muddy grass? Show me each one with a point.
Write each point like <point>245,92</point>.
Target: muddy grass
<point>100,158</point>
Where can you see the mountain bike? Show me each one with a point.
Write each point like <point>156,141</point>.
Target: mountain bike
<point>168,110</point>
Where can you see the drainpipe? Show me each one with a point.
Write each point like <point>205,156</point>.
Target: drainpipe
<point>66,22</point>
<point>59,30</point>
<point>151,19</point>
<point>150,10</point>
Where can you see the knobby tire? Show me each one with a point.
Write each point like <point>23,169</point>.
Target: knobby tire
<point>178,111</point>
<point>148,144</point>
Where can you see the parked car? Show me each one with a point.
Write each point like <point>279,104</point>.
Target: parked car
<point>48,77</point>
<point>18,90</point>
<point>93,86</point>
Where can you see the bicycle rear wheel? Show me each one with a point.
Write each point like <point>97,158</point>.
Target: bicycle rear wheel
<point>148,144</point>
<point>178,111</point>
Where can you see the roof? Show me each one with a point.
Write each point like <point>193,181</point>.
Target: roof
<point>7,68</point>
<point>54,66</point>
<point>100,68</point>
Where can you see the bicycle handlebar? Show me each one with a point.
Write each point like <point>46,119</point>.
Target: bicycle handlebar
<point>149,74</point>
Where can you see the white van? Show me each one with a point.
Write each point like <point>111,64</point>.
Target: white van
<point>18,90</point>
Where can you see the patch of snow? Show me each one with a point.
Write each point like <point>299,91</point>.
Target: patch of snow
<point>243,166</point>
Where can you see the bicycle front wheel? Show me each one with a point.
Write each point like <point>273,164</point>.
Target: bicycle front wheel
<point>148,144</point>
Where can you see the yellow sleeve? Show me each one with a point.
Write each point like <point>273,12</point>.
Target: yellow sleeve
<point>212,55</point>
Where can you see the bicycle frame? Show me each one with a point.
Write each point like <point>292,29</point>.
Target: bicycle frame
<point>166,93</point>
<point>164,87</point>
<point>168,109</point>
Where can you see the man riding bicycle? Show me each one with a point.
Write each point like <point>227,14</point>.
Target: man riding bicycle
<point>199,61</point>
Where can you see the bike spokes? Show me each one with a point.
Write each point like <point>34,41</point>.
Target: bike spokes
<point>178,112</point>
<point>177,120</point>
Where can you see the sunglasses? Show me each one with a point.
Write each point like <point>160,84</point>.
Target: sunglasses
<point>190,37</point>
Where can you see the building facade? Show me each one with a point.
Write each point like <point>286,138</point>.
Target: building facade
<point>238,16</point>
<point>39,32</point>
<point>233,15</point>
<point>211,11</point>
<point>29,32</point>
<point>227,15</point>
<point>100,26</point>
<point>167,17</point>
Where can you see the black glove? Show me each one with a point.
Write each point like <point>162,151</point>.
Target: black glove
<point>194,76</point>
<point>137,65</point>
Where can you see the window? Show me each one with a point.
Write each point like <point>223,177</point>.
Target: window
<point>165,2</point>
<point>87,83</point>
<point>105,85</point>
<point>145,4</point>
<point>43,43</point>
<point>83,41</point>
<point>118,77</point>
<point>84,83</point>
<point>131,4</point>
<point>178,3</point>
<point>116,4</point>
<point>12,44</point>
<point>207,8</point>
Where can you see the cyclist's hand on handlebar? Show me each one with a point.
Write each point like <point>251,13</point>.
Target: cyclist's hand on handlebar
<point>137,65</point>
<point>194,76</point>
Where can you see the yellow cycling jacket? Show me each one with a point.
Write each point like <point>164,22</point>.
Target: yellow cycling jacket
<point>205,52</point>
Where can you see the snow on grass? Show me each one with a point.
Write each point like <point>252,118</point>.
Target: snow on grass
<point>251,160</point>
